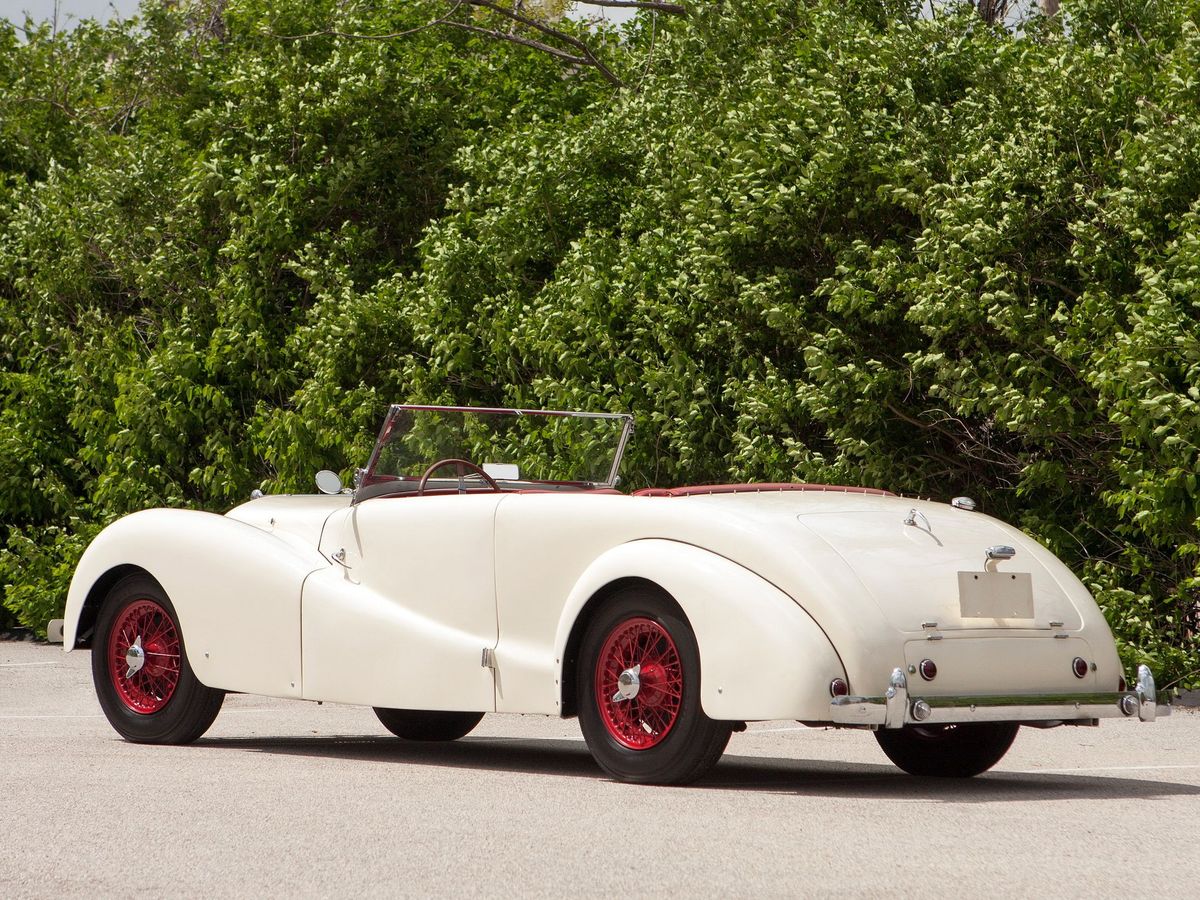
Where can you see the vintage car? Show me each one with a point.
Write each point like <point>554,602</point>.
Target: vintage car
<point>486,563</point>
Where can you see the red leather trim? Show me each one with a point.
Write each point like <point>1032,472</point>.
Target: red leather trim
<point>769,487</point>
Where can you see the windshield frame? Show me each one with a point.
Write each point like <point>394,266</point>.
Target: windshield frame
<point>366,474</point>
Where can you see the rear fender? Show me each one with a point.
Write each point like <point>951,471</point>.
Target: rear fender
<point>761,655</point>
<point>235,589</point>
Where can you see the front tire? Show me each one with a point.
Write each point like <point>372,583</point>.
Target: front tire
<point>425,725</point>
<point>639,693</point>
<point>139,665</point>
<point>947,751</point>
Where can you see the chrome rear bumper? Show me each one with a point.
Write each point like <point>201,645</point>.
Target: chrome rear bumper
<point>897,708</point>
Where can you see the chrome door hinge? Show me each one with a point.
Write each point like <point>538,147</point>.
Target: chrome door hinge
<point>489,658</point>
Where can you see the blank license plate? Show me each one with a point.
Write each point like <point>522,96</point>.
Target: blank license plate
<point>995,595</point>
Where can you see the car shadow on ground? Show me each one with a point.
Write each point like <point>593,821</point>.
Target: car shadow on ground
<point>802,777</point>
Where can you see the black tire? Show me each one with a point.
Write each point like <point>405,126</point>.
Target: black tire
<point>947,751</point>
<point>162,702</point>
<point>424,725</point>
<point>680,742</point>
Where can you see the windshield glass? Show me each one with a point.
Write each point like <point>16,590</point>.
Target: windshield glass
<point>509,444</point>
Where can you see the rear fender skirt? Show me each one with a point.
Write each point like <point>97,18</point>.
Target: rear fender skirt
<point>761,655</point>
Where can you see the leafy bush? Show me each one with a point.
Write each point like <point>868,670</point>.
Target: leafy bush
<point>812,242</point>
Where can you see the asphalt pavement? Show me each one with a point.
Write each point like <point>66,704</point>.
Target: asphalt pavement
<point>291,799</point>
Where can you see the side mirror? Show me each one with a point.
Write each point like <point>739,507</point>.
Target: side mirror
<point>328,482</point>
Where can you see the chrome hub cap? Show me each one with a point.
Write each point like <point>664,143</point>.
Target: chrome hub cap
<point>628,684</point>
<point>135,658</point>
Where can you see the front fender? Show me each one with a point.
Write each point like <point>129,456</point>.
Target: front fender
<point>235,589</point>
<point>761,655</point>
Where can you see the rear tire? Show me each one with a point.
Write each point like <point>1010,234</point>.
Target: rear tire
<point>425,725</point>
<point>658,734</point>
<point>139,665</point>
<point>947,751</point>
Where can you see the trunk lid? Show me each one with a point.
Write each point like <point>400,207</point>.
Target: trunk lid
<point>924,565</point>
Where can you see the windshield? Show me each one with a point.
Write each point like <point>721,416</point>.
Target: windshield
<point>511,445</point>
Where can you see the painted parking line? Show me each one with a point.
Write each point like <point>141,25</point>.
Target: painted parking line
<point>774,730</point>
<point>90,716</point>
<point>21,665</point>
<point>1095,769</point>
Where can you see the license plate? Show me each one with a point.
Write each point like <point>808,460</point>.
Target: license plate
<point>995,595</point>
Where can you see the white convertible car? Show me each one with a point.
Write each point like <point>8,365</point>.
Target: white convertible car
<point>485,562</point>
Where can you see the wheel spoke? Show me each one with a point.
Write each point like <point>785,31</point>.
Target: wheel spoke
<point>148,689</point>
<point>643,720</point>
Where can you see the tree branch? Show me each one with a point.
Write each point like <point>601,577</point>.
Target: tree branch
<point>587,57</point>
<point>331,32</point>
<point>650,52</point>
<point>583,55</point>
<point>524,42</point>
<point>675,9</point>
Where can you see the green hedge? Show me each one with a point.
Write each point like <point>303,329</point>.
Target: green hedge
<point>809,242</point>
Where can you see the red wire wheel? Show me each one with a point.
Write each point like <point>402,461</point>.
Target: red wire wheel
<point>638,689</point>
<point>144,683</point>
<point>144,657</point>
<point>640,713</point>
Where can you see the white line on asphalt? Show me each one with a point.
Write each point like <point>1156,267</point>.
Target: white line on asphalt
<point>53,717</point>
<point>770,730</point>
<point>1093,769</point>
<point>527,737</point>
<point>18,665</point>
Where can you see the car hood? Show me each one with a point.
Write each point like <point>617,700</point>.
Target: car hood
<point>294,518</point>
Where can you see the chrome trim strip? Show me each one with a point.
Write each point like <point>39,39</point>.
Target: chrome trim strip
<point>895,708</point>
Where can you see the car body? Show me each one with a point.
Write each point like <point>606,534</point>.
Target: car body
<point>444,587</point>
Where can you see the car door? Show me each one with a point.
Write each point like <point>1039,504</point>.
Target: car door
<point>404,616</point>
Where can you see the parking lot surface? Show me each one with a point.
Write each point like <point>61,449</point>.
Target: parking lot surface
<point>285,798</point>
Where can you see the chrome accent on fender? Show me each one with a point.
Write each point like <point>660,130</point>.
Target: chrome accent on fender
<point>911,519</point>
<point>628,684</point>
<point>963,503</point>
<point>135,658</point>
<point>1147,695</point>
<point>997,554</point>
<point>895,708</point>
<point>256,494</point>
